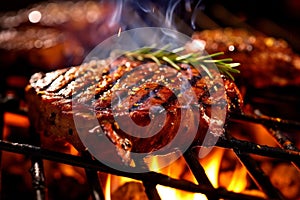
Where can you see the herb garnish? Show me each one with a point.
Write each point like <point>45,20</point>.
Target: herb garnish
<point>172,57</point>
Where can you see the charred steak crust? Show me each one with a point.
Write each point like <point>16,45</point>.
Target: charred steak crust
<point>50,97</point>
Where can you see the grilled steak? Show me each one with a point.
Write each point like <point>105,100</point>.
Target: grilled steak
<point>50,35</point>
<point>265,61</point>
<point>123,92</point>
<point>43,48</point>
<point>88,21</point>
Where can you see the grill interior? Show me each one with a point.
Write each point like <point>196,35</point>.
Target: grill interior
<point>282,125</point>
<point>243,150</point>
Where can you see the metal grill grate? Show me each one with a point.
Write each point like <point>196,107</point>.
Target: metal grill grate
<point>243,149</point>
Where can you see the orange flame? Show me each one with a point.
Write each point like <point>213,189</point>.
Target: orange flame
<point>211,163</point>
<point>180,170</point>
<point>239,180</point>
<point>107,187</point>
<point>177,169</point>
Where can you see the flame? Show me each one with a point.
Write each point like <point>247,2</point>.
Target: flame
<point>211,163</point>
<point>177,169</point>
<point>180,170</point>
<point>163,191</point>
<point>113,182</point>
<point>239,180</point>
<point>107,187</point>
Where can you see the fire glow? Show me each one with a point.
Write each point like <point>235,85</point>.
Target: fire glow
<point>238,181</point>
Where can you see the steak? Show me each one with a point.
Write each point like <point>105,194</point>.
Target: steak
<point>38,47</point>
<point>87,21</point>
<point>265,61</point>
<point>131,100</point>
<point>51,35</point>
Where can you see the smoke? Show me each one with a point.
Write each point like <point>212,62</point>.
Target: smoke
<point>199,6</point>
<point>117,12</point>
<point>179,15</point>
<point>170,11</point>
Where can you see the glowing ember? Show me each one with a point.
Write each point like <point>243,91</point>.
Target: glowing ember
<point>12,119</point>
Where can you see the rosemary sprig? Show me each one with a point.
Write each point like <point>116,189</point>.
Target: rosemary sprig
<point>172,57</point>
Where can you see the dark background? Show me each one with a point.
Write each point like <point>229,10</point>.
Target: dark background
<point>284,14</point>
<point>279,10</point>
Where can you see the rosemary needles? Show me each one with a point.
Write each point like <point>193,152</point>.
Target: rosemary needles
<point>178,56</point>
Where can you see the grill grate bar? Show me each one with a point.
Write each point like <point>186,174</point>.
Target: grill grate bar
<point>197,170</point>
<point>38,180</point>
<point>93,181</point>
<point>282,140</point>
<point>151,191</point>
<point>258,176</point>
<point>261,180</point>
<point>95,185</point>
<point>266,120</point>
<point>37,171</point>
<point>273,125</point>
<point>95,165</point>
<point>285,143</point>
<point>262,150</point>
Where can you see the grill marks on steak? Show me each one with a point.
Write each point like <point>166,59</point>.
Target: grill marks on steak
<point>122,92</point>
